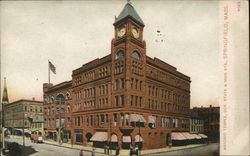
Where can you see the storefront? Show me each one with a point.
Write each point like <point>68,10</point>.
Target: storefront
<point>78,137</point>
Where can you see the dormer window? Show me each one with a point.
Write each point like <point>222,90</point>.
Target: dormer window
<point>136,55</point>
<point>119,54</point>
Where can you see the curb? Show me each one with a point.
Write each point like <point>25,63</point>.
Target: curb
<point>176,150</point>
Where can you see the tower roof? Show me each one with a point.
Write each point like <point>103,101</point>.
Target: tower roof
<point>5,93</point>
<point>129,10</point>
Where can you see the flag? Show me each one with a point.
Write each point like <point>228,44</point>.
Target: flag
<point>52,67</point>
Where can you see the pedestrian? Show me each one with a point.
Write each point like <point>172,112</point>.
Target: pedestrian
<point>131,150</point>
<point>81,153</point>
<point>105,149</point>
<point>136,150</point>
<point>170,144</point>
<point>108,150</point>
<point>93,152</point>
<point>117,151</point>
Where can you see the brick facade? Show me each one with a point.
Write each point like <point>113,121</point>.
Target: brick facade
<point>211,116</point>
<point>106,92</point>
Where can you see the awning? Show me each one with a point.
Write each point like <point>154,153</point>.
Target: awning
<point>151,119</point>
<point>126,139</point>
<point>136,118</point>
<point>138,138</point>
<point>196,136</point>
<point>114,138</point>
<point>203,135</point>
<point>99,136</point>
<point>188,135</point>
<point>25,130</point>
<point>177,136</point>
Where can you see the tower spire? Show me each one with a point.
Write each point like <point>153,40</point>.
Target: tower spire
<point>5,99</point>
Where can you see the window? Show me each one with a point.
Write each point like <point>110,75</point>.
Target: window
<point>175,123</point>
<point>68,108</point>
<point>122,120</point>
<point>136,55</point>
<point>136,100</point>
<point>102,119</point>
<point>107,119</point>
<point>167,122</point>
<point>136,83</point>
<point>123,84</point>
<point>119,54</point>
<point>154,124</point>
<point>117,84</point>
<point>126,119</point>
<point>122,100</point>
<point>140,101</point>
<point>68,96</point>
<point>68,122</point>
<point>60,99</point>
<point>115,119</point>
<point>116,100</point>
<point>131,100</point>
<point>162,122</point>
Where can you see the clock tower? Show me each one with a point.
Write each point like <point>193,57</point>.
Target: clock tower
<point>128,52</point>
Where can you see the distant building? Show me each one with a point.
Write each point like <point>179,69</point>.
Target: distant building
<point>196,122</point>
<point>58,111</point>
<point>24,113</point>
<point>211,116</point>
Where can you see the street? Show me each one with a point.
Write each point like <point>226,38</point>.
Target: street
<point>42,149</point>
<point>208,150</point>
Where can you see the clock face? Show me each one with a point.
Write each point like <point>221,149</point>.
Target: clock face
<point>135,32</point>
<point>121,31</point>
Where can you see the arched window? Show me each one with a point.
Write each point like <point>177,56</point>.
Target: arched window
<point>136,55</point>
<point>68,96</point>
<point>68,108</point>
<point>119,54</point>
<point>52,99</point>
<point>60,99</point>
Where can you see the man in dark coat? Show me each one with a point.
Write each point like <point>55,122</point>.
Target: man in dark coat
<point>117,151</point>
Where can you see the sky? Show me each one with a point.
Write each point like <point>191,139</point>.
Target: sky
<point>72,33</point>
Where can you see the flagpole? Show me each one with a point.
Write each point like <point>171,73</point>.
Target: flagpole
<point>49,71</point>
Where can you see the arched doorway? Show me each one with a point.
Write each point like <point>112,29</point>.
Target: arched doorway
<point>126,141</point>
<point>89,136</point>
<point>139,141</point>
<point>168,140</point>
<point>113,141</point>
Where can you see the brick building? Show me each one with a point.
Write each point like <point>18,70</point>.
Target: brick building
<point>211,116</point>
<point>18,113</point>
<point>196,122</point>
<point>123,98</point>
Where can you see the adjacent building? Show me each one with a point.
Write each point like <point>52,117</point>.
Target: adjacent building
<point>211,116</point>
<point>196,123</point>
<point>58,111</point>
<point>125,98</point>
<point>27,114</point>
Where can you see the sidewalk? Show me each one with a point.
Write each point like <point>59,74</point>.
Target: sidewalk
<point>86,148</point>
<point>122,151</point>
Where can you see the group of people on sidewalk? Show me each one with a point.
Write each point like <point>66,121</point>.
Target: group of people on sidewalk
<point>108,150</point>
<point>134,151</point>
